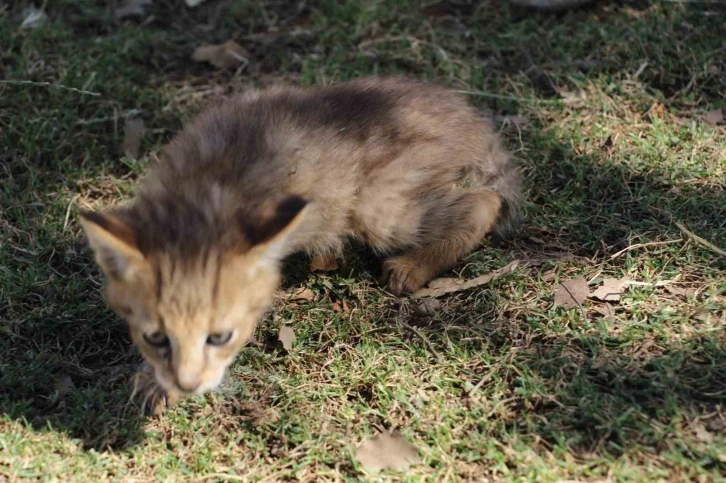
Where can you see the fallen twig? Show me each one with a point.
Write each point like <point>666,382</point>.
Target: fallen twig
<point>443,286</point>
<point>221,476</point>
<point>701,241</point>
<point>48,84</point>
<point>643,245</point>
<point>425,340</point>
<point>129,113</point>
<point>479,384</point>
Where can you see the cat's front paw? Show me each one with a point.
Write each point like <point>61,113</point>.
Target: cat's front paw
<point>404,274</point>
<point>155,399</point>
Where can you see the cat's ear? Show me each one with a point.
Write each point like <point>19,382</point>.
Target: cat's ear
<point>268,229</point>
<point>113,242</point>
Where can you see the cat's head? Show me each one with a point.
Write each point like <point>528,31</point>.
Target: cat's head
<point>191,299</point>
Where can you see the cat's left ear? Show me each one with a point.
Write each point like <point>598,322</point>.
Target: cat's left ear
<point>114,244</point>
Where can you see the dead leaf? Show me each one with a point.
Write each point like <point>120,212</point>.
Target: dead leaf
<point>340,306</point>
<point>713,117</point>
<point>611,289</point>
<point>570,96</point>
<point>194,3</point>
<point>702,433</point>
<point>33,18</point>
<point>228,54</point>
<point>703,316</point>
<point>549,275</point>
<point>302,293</point>
<point>131,8</point>
<point>427,306</point>
<point>606,310</point>
<point>684,292</point>
<point>442,286</point>
<point>387,452</point>
<point>134,130</point>
<point>323,263</point>
<point>287,337</point>
<point>572,293</point>
<point>656,111</point>
<point>716,425</point>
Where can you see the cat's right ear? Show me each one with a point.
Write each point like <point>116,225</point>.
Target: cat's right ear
<point>114,244</point>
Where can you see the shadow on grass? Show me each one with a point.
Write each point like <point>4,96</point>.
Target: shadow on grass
<point>66,360</point>
<point>609,393</point>
<point>584,395</point>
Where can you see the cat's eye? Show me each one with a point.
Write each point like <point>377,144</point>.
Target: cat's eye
<point>219,339</point>
<point>157,339</point>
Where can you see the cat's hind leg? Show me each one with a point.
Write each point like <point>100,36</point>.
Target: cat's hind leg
<point>450,230</point>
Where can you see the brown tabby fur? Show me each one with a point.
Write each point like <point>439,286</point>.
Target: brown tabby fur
<point>406,167</point>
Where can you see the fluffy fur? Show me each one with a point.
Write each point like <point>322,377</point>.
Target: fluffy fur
<point>409,168</point>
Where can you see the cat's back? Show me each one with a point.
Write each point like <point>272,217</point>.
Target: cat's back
<point>327,141</point>
<point>263,134</point>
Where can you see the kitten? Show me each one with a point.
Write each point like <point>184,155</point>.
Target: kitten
<point>406,167</point>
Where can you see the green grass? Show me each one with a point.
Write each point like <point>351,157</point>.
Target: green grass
<point>608,104</point>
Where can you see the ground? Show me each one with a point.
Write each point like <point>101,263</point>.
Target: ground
<point>612,113</point>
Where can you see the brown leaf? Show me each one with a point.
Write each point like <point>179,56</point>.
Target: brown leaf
<point>702,433</point>
<point>704,316</point>
<point>684,292</point>
<point>442,286</point>
<point>228,54</point>
<point>716,425</point>
<point>427,306</point>
<point>324,263</point>
<point>606,310</point>
<point>340,306</point>
<point>713,117</point>
<point>611,289</point>
<point>134,130</point>
<point>549,275</point>
<point>302,293</point>
<point>656,111</point>
<point>287,337</point>
<point>193,3</point>
<point>572,293</point>
<point>387,452</point>
<point>131,8</point>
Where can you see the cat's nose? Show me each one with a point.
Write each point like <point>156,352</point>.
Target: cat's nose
<point>188,382</point>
